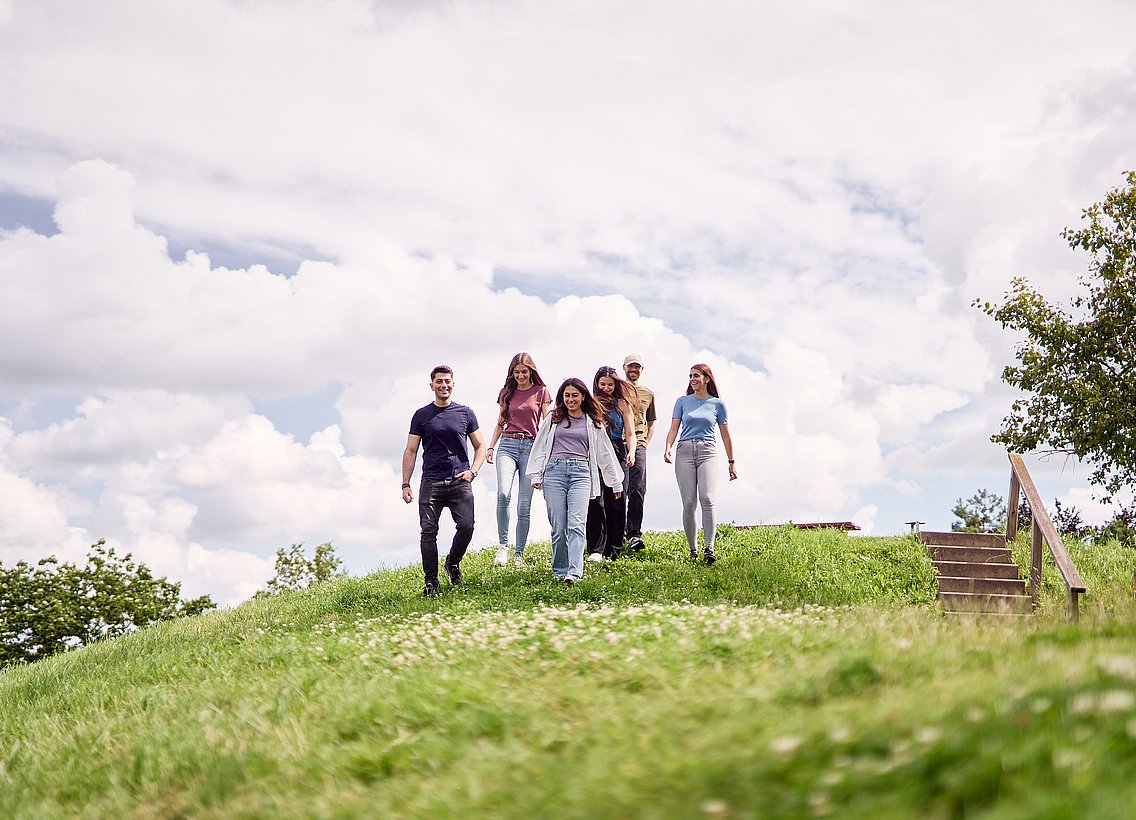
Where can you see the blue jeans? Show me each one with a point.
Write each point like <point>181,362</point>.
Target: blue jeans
<point>567,490</point>
<point>696,468</point>
<point>512,459</point>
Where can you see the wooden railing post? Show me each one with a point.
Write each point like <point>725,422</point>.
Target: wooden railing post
<point>1012,504</point>
<point>1035,561</point>
<point>1072,609</point>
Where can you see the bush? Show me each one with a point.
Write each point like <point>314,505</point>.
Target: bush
<point>49,606</point>
<point>294,570</point>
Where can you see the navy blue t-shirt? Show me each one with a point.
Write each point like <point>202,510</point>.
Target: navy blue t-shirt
<point>443,431</point>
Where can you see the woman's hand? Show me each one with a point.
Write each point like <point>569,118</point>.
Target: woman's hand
<point>536,485</point>
<point>630,458</point>
<point>733,472</point>
<point>489,456</point>
<point>667,455</point>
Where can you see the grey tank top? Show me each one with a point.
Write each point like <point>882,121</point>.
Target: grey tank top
<point>571,441</point>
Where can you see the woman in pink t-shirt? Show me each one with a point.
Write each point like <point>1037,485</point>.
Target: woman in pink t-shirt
<point>523,402</point>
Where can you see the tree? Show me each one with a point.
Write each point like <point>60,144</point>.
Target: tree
<point>49,606</point>
<point>1122,527</point>
<point>1069,522</point>
<point>295,571</point>
<point>982,512</point>
<point>1077,364</point>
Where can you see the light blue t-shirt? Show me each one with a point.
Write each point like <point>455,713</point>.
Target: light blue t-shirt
<point>699,416</point>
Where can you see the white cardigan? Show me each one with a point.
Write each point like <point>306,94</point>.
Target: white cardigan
<point>601,456</point>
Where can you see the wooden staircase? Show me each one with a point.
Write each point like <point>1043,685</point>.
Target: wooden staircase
<point>976,573</point>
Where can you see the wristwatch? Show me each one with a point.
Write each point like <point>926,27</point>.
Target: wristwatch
<point>474,473</point>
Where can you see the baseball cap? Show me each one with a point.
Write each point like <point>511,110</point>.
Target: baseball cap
<point>633,358</point>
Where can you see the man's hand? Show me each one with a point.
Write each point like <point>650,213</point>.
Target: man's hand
<point>407,494</point>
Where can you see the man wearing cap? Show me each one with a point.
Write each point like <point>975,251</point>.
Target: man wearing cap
<point>636,486</point>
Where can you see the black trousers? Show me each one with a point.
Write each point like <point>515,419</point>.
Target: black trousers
<point>607,514</point>
<point>433,497</point>
<point>635,490</point>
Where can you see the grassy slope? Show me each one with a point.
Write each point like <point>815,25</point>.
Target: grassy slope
<point>805,674</point>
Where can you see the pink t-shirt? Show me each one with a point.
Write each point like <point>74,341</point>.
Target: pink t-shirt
<point>523,412</point>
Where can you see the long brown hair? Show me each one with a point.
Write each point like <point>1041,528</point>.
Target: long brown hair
<point>592,408</point>
<point>525,360</point>
<point>711,385</point>
<point>623,390</point>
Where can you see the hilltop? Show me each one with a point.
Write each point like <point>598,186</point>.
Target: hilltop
<point>805,674</point>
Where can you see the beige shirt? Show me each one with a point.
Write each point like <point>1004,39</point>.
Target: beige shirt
<point>644,415</point>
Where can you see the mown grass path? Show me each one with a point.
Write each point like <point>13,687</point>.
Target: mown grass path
<point>805,674</point>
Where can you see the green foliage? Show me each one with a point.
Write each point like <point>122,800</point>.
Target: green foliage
<point>49,606</point>
<point>516,697</point>
<point>1077,364</point>
<point>294,570</point>
<point>1122,528</point>
<point>982,512</point>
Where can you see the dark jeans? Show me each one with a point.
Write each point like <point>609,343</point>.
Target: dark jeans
<point>607,514</point>
<point>635,490</point>
<point>433,497</point>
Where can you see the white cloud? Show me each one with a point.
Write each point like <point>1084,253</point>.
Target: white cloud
<point>808,198</point>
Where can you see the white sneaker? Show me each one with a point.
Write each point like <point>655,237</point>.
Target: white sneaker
<point>502,557</point>
<point>596,557</point>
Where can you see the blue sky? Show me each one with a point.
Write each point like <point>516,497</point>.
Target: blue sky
<point>236,236</point>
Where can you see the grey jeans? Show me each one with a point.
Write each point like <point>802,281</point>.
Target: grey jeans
<point>696,468</point>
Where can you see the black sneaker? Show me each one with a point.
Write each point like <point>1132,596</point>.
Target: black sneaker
<point>635,543</point>
<point>710,559</point>
<point>454,574</point>
<point>431,589</point>
<point>694,555</point>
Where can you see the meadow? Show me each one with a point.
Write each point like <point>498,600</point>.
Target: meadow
<point>806,674</point>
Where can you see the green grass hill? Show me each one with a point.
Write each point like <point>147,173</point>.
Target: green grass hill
<point>806,674</point>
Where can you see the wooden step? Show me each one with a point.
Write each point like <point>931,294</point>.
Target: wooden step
<point>989,604</point>
<point>963,539</point>
<point>971,555</point>
<point>963,569</point>
<point>982,586</point>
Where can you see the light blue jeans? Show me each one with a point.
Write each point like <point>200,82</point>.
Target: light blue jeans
<point>567,491</point>
<point>696,468</point>
<point>512,459</point>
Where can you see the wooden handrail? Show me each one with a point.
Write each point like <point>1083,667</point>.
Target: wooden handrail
<point>1042,531</point>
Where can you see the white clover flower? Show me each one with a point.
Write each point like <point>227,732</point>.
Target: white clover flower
<point>1115,700</point>
<point>841,734</point>
<point>928,735</point>
<point>1118,666</point>
<point>786,746</point>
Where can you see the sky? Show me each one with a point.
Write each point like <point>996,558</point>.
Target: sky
<point>236,235</point>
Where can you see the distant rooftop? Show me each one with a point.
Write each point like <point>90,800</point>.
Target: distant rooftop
<point>815,525</point>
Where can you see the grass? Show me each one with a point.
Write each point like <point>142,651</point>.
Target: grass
<point>805,674</point>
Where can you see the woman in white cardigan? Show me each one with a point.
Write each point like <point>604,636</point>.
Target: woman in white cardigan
<point>570,456</point>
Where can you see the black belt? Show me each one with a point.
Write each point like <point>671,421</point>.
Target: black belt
<point>515,435</point>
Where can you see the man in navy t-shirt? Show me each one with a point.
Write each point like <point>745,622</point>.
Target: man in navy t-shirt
<point>443,428</point>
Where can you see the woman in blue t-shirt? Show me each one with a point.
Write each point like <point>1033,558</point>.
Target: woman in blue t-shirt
<point>696,461</point>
